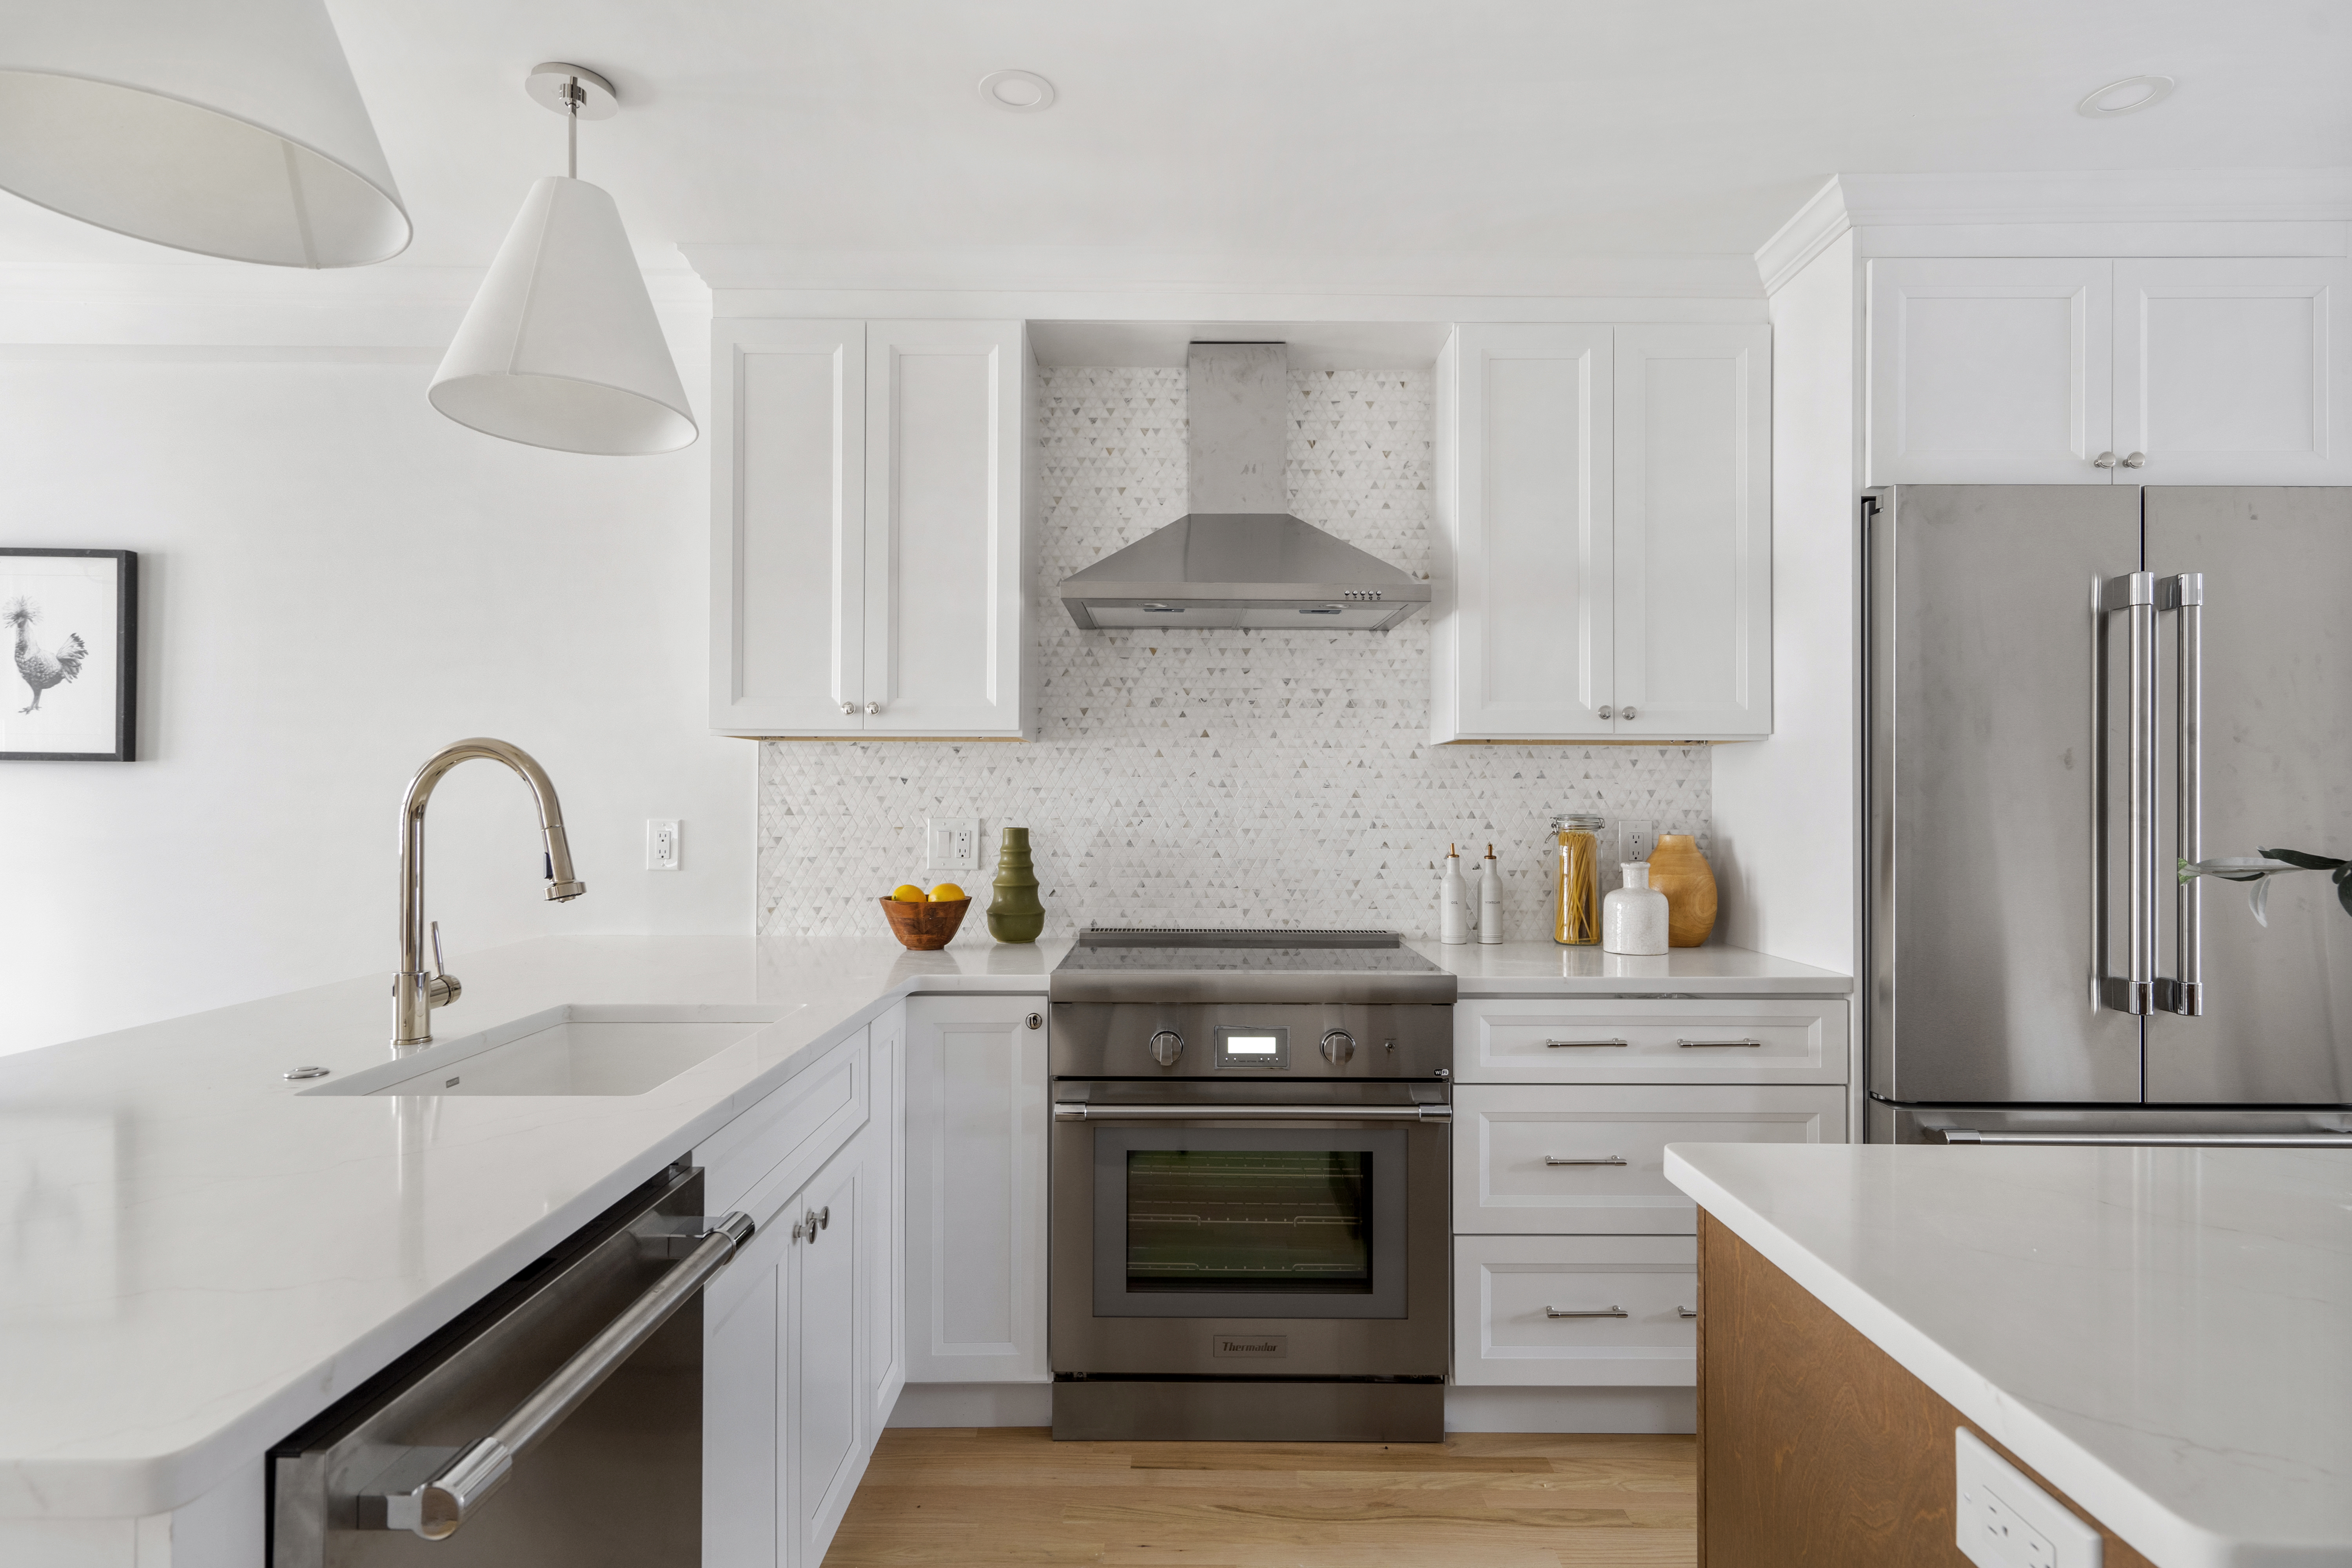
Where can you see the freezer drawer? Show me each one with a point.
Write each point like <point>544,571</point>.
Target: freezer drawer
<point>1647,1040</point>
<point>1615,1311</point>
<point>1536,1159</point>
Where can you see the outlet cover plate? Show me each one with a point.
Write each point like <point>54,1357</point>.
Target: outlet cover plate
<point>1637,837</point>
<point>662,848</point>
<point>951,842</point>
<point>2004,1520</point>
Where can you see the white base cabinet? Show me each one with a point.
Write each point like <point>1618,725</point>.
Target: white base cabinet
<point>800,1355</point>
<point>1577,1310</point>
<point>2213,371</point>
<point>976,1190</point>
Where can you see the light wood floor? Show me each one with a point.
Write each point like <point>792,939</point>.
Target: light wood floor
<point>1008,1494</point>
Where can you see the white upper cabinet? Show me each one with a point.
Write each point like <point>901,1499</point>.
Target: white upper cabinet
<point>1603,518</point>
<point>1523,623</point>
<point>2226,370</point>
<point>2220,371</point>
<point>1693,555</point>
<point>1990,371</point>
<point>867,530</point>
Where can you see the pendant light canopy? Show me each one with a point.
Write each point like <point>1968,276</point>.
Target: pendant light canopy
<point>230,128</point>
<point>560,348</point>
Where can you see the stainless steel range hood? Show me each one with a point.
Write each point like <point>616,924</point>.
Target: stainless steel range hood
<point>1237,558</point>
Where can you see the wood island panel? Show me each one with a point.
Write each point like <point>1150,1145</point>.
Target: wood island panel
<point>1816,1449</point>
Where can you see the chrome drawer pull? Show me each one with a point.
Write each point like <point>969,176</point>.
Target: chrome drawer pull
<point>1587,1313</point>
<point>1581,1044</point>
<point>1685,1312</point>
<point>1597,1160</point>
<point>1710,1044</point>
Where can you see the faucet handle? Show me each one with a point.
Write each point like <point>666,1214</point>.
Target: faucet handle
<point>443,988</point>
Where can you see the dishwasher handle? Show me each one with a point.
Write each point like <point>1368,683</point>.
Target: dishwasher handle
<point>437,1508</point>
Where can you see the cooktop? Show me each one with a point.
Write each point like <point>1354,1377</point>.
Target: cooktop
<point>1203,965</point>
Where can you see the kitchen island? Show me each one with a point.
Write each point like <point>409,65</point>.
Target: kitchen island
<point>2162,1337</point>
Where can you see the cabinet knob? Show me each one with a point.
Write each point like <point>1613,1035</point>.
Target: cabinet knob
<point>849,708</point>
<point>2136,461</point>
<point>1166,1046</point>
<point>1607,712</point>
<point>1338,1047</point>
<point>874,707</point>
<point>2104,460</point>
<point>1036,1020</point>
<point>1631,712</point>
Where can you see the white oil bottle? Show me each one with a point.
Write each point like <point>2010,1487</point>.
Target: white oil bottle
<point>1453,902</point>
<point>1490,899</point>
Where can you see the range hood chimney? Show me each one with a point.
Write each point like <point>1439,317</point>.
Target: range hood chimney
<point>1238,558</point>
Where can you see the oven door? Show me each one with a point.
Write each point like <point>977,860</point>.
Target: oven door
<point>1252,1239</point>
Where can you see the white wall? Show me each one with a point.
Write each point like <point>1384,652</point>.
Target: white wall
<point>336,582</point>
<point>1786,808</point>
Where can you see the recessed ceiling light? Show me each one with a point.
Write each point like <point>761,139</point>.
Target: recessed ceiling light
<point>2128,96</point>
<point>1023,92</point>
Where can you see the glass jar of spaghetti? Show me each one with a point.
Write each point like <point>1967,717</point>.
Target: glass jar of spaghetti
<point>1578,921</point>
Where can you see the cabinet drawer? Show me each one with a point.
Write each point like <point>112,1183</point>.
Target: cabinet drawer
<point>1507,1290</point>
<point>1615,1040</point>
<point>1546,1159</point>
<point>770,1149</point>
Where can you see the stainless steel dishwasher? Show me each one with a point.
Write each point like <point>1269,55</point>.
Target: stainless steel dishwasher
<point>557,1422</point>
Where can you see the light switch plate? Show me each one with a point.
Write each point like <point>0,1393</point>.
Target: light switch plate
<point>1637,839</point>
<point>951,842</point>
<point>661,844</point>
<point>2006,1522</point>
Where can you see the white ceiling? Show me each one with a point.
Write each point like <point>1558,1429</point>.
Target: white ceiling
<point>1296,129</point>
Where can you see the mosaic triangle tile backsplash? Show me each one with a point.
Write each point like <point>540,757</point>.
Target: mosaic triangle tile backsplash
<point>1210,778</point>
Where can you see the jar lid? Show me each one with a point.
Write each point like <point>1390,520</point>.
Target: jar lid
<point>1584,822</point>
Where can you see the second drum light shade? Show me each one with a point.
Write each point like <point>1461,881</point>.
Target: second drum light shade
<point>560,348</point>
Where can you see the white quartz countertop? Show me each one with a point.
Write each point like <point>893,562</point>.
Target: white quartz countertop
<point>196,1257</point>
<point>2165,1334</point>
<point>1547,969</point>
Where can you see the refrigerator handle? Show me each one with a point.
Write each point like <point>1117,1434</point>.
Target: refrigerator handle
<point>2184,596</point>
<point>2132,595</point>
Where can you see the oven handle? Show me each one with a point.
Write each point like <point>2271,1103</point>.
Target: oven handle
<point>1080,1111</point>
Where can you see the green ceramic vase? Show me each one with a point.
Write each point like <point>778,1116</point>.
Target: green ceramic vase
<point>1015,914</point>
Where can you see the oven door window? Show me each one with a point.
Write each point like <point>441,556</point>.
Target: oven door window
<point>1249,1222</point>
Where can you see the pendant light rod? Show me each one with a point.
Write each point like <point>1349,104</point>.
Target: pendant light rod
<point>572,129</point>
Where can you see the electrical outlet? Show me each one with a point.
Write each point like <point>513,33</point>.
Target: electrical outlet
<point>1636,838</point>
<point>661,844</point>
<point>951,842</point>
<point>2004,1520</point>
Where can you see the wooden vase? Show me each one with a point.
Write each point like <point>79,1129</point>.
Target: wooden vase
<point>1678,870</point>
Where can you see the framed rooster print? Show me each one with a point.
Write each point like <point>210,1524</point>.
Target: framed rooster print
<point>69,692</point>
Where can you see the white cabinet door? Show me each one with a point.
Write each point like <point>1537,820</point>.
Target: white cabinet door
<point>1989,370</point>
<point>883,1218</point>
<point>826,1401</point>
<point>976,1111</point>
<point>2228,371</point>
<point>944,590</point>
<point>1521,633</point>
<point>788,629</point>
<point>1693,531</point>
<point>742,1393</point>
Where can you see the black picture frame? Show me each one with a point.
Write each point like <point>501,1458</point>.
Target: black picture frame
<point>124,652</point>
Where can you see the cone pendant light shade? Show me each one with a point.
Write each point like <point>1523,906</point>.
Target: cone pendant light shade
<point>230,128</point>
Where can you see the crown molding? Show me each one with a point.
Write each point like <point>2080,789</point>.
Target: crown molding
<point>1093,272</point>
<point>2121,211</point>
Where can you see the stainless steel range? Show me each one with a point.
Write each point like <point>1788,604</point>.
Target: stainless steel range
<point>1250,1168</point>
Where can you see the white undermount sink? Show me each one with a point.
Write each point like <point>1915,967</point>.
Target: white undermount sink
<point>576,1049</point>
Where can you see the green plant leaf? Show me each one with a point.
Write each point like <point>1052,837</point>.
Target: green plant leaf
<point>2304,861</point>
<point>2344,894</point>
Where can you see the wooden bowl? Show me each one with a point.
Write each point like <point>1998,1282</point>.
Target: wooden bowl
<point>925,927</point>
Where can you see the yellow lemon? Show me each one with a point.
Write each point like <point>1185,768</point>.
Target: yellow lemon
<point>945,893</point>
<point>907,893</point>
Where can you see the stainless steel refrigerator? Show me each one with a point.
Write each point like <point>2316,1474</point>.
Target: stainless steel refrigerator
<point>2067,691</point>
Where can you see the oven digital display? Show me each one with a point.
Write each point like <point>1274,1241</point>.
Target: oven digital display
<point>1240,1046</point>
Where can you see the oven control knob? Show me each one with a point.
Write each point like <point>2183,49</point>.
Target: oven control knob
<point>1166,1046</point>
<point>1338,1047</point>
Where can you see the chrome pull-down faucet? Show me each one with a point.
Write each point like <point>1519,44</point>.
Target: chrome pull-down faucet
<point>415,993</point>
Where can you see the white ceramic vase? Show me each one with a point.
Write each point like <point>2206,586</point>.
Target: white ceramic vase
<point>1633,917</point>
